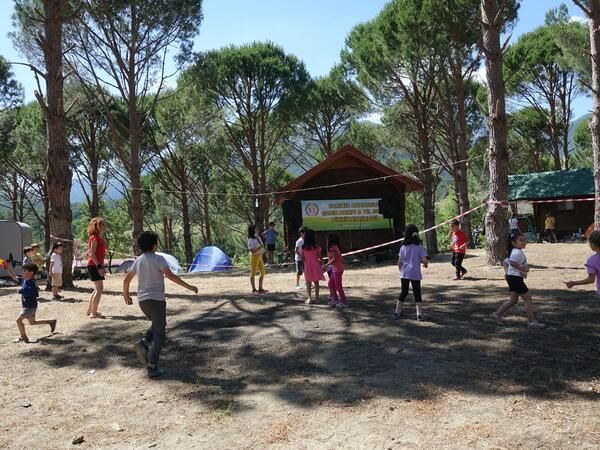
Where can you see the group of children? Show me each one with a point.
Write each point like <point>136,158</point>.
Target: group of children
<point>309,262</point>
<point>33,264</point>
<point>151,270</point>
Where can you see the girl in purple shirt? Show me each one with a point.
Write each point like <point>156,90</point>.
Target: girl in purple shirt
<point>411,256</point>
<point>592,264</point>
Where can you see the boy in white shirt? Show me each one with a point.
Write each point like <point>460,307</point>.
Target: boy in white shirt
<point>55,271</point>
<point>151,270</point>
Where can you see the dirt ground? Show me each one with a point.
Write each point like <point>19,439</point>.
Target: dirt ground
<point>271,372</point>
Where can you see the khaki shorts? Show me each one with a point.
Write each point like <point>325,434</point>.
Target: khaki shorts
<point>56,279</point>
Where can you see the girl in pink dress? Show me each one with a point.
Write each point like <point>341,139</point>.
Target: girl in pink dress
<point>335,268</point>
<point>311,253</point>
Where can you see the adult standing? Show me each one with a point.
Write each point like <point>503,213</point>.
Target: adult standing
<point>95,264</point>
<point>550,226</point>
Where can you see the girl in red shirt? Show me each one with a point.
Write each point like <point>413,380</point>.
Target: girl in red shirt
<point>458,245</point>
<point>95,264</point>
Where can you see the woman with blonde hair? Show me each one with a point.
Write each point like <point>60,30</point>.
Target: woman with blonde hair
<point>95,265</point>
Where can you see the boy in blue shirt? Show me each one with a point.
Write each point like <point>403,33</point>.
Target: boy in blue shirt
<point>29,295</point>
<point>270,237</point>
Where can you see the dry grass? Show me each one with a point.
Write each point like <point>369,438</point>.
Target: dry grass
<point>250,372</point>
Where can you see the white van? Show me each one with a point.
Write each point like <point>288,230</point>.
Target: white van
<point>13,237</point>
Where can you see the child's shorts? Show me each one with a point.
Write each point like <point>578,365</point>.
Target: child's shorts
<point>299,267</point>
<point>516,284</point>
<point>57,280</point>
<point>28,312</point>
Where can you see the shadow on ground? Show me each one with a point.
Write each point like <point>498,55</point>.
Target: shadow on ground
<point>227,348</point>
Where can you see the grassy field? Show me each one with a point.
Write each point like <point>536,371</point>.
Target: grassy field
<point>271,372</point>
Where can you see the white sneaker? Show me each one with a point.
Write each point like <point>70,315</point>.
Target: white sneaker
<point>298,287</point>
<point>536,324</point>
<point>496,317</point>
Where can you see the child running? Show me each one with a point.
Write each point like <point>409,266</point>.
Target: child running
<point>29,294</point>
<point>411,256</point>
<point>458,245</point>
<point>312,265</point>
<point>592,264</point>
<point>335,269</point>
<point>516,270</point>
<point>151,270</point>
<point>257,250</point>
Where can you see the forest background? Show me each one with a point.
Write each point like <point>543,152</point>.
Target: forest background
<point>190,142</point>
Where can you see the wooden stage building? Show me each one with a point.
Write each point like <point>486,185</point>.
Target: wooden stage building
<point>363,213</point>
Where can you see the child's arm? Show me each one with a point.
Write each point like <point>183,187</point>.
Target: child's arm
<point>424,261</point>
<point>12,274</point>
<point>399,263</point>
<point>175,279</point>
<point>126,282</point>
<point>520,267</point>
<point>589,280</point>
<point>50,271</point>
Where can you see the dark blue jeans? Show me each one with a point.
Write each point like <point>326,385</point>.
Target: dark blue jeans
<point>154,338</point>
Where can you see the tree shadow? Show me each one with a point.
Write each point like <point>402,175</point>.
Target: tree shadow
<point>228,347</point>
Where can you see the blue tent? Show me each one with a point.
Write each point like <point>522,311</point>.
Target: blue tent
<point>211,259</point>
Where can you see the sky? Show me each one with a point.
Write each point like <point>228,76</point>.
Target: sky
<point>313,30</point>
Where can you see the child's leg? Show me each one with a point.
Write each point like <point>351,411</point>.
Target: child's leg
<point>21,328</point>
<point>528,307</point>
<point>416,287</point>
<point>261,269</point>
<point>332,291</point>
<point>453,260</point>
<point>317,287</point>
<point>337,278</point>
<point>514,297</point>
<point>404,284</point>
<point>96,301</point>
<point>309,291</point>
<point>156,311</point>
<point>253,267</point>
<point>459,261</point>
<point>51,323</point>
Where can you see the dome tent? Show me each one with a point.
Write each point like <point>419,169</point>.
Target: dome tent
<point>210,259</point>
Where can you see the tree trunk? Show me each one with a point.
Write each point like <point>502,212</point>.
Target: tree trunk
<point>495,219</point>
<point>554,132</point>
<point>95,203</point>
<point>58,171</point>
<point>461,167</point>
<point>428,185</point>
<point>207,227</point>
<point>187,227</point>
<point>135,166</point>
<point>594,25</point>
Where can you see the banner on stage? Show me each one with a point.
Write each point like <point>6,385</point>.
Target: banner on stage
<point>353,214</point>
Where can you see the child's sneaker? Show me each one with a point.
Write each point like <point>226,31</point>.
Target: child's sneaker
<point>57,297</point>
<point>53,326</point>
<point>456,278</point>
<point>536,324</point>
<point>398,315</point>
<point>495,317</point>
<point>463,272</point>
<point>298,287</point>
<point>141,351</point>
<point>154,372</point>
<point>420,318</point>
<point>332,302</point>
<point>342,305</point>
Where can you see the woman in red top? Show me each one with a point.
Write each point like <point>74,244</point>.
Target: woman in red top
<point>95,267</point>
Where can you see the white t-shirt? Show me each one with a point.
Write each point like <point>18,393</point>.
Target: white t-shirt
<point>57,265</point>
<point>517,256</point>
<point>253,244</point>
<point>151,280</point>
<point>514,223</point>
<point>298,248</point>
